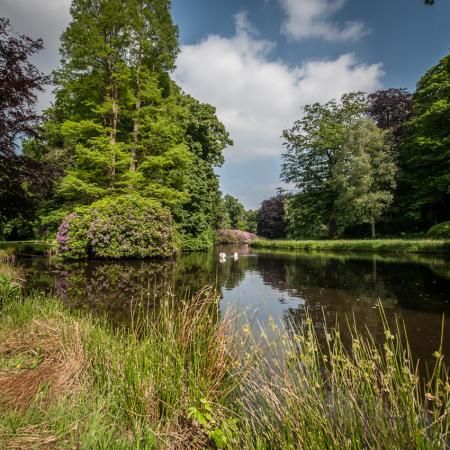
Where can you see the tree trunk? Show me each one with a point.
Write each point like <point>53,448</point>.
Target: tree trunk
<point>113,132</point>
<point>136,124</point>
<point>332,229</point>
<point>372,229</point>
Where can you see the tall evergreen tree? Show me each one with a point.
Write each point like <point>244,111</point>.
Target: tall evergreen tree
<point>122,125</point>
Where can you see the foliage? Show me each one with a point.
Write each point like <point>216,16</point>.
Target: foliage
<point>364,175</point>
<point>312,145</point>
<point>270,217</point>
<point>221,435</point>
<point>424,155</point>
<point>325,393</point>
<point>9,286</point>
<point>118,227</point>
<point>390,108</point>
<point>304,219</point>
<point>19,81</point>
<point>440,231</point>
<point>201,242</point>
<point>236,212</point>
<point>206,386</point>
<point>251,219</point>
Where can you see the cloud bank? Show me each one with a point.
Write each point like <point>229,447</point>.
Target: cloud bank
<point>256,96</point>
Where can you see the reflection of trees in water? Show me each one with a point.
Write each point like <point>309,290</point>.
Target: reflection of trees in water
<point>115,287</point>
<point>339,281</point>
<point>339,290</point>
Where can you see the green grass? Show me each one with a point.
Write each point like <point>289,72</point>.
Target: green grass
<point>95,387</point>
<point>184,377</point>
<point>375,245</point>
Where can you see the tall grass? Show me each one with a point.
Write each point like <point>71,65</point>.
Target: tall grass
<point>319,394</point>
<point>124,389</point>
<point>360,245</point>
<point>184,377</point>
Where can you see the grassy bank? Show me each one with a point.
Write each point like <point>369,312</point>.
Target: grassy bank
<point>9,250</point>
<point>375,245</point>
<point>184,377</point>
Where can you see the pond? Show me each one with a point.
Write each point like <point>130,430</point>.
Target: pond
<point>267,284</point>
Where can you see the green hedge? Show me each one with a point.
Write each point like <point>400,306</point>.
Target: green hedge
<point>127,226</point>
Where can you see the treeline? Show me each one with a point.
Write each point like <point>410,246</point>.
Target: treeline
<point>367,162</point>
<point>118,126</point>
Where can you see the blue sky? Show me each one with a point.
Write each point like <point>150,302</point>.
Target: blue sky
<point>259,61</point>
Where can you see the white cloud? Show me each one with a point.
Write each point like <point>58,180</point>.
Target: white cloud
<point>257,97</point>
<point>312,19</point>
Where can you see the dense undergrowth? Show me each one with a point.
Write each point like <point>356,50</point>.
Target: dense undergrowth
<point>355,245</point>
<point>185,376</point>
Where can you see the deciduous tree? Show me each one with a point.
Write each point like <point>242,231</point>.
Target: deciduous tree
<point>364,175</point>
<point>312,145</point>
<point>424,154</point>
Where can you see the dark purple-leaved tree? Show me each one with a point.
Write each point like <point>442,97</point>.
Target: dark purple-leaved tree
<point>270,218</point>
<point>19,82</point>
<point>390,108</point>
<point>22,179</point>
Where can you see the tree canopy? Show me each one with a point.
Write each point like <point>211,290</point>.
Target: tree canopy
<point>424,154</point>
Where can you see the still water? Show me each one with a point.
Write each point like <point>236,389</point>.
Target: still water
<point>263,285</point>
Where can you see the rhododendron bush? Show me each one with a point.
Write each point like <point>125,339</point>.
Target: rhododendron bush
<point>127,226</point>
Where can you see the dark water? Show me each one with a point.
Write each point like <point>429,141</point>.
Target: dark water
<point>267,285</point>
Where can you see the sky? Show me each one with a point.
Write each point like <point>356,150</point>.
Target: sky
<point>259,61</point>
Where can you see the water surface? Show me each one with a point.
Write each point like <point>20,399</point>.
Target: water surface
<point>267,284</point>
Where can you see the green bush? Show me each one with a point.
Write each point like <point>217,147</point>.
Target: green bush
<point>440,231</point>
<point>204,241</point>
<point>127,226</point>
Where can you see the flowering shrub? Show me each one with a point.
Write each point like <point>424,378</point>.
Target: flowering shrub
<point>440,231</point>
<point>72,235</point>
<point>234,237</point>
<point>127,226</point>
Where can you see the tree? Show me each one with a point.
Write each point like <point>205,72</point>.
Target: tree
<point>424,154</point>
<point>364,175</point>
<point>312,145</point>
<point>23,181</point>
<point>270,219</point>
<point>251,219</point>
<point>236,212</point>
<point>305,216</point>
<point>390,108</point>
<point>19,81</point>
